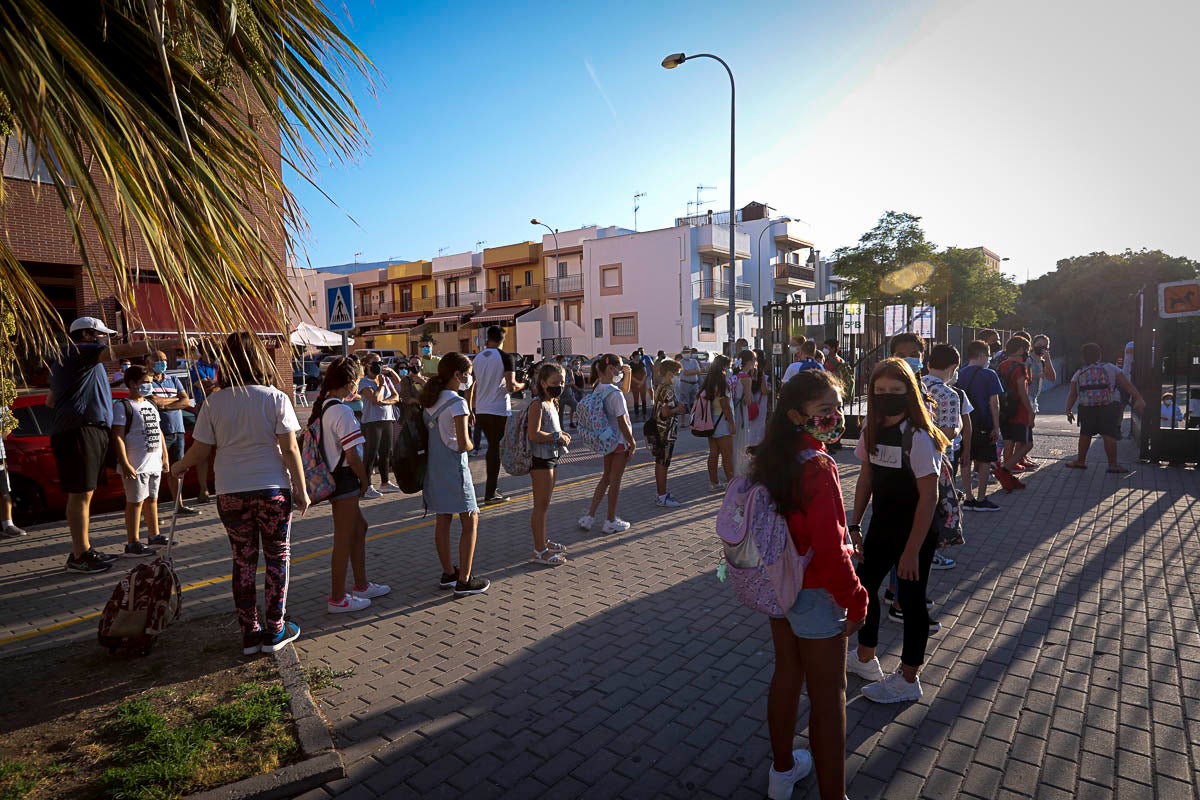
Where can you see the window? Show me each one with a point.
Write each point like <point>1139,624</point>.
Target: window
<point>708,323</point>
<point>610,279</point>
<point>562,269</point>
<point>471,287</point>
<point>623,328</point>
<point>599,329</point>
<point>381,295</point>
<point>504,292</point>
<point>529,277</point>
<point>556,314</point>
<point>22,162</point>
<point>312,299</point>
<point>424,292</point>
<point>406,299</point>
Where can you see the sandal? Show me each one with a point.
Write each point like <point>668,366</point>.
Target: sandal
<point>555,547</point>
<point>548,558</point>
<point>1076,465</point>
<point>1117,470</point>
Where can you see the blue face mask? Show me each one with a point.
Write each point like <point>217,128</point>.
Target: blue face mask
<point>160,367</point>
<point>145,389</point>
<point>403,371</point>
<point>915,363</point>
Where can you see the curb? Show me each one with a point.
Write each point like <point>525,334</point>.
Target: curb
<point>322,763</point>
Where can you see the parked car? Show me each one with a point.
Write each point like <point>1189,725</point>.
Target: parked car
<point>36,493</point>
<point>307,372</point>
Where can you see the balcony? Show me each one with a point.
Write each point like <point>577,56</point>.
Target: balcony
<point>463,300</point>
<point>714,295</point>
<point>371,311</point>
<point>530,295</point>
<point>791,234</point>
<point>714,240</point>
<point>568,284</point>
<point>792,277</point>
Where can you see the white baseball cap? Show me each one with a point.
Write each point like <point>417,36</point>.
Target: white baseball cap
<point>90,324</point>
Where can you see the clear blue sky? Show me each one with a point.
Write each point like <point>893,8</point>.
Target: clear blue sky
<point>1002,124</point>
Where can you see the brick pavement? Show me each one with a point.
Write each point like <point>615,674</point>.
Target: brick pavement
<point>1068,665</point>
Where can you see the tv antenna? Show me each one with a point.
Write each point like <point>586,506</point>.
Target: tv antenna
<point>479,245</point>
<point>357,253</point>
<point>700,202</point>
<point>636,205</point>
<point>442,250</point>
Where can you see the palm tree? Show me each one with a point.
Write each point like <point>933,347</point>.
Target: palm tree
<point>166,122</point>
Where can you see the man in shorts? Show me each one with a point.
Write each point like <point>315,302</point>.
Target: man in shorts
<point>689,383</point>
<point>7,529</point>
<point>81,401</point>
<point>1096,386</point>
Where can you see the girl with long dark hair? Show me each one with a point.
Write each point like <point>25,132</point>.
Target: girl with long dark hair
<point>810,644</point>
<point>547,443</point>
<point>720,445</point>
<point>448,489</point>
<point>611,376</point>
<point>901,452</point>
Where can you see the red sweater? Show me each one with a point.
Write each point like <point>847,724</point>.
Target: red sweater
<point>820,523</point>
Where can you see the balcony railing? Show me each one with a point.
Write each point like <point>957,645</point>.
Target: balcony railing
<point>567,283</point>
<point>709,289</point>
<point>459,300</point>
<point>707,218</point>
<point>374,309</point>
<point>796,272</point>
<point>506,294</point>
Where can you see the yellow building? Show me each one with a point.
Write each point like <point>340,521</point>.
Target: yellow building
<point>515,274</point>
<point>409,299</point>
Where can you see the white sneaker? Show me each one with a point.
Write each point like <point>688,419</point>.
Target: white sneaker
<point>779,784</point>
<point>586,522</point>
<point>390,486</point>
<point>372,590</point>
<point>716,487</point>
<point>347,604</point>
<point>616,525</point>
<point>666,501</point>
<point>867,670</point>
<point>942,562</point>
<point>893,689</point>
<point>372,494</point>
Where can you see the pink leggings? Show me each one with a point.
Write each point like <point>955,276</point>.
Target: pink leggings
<point>253,519</point>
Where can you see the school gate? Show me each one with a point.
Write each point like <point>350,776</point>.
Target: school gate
<point>1166,358</point>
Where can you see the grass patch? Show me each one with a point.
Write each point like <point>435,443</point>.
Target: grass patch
<point>18,779</point>
<point>319,678</point>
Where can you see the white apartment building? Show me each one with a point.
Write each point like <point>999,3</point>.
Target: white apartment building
<point>459,290</point>
<point>309,287</point>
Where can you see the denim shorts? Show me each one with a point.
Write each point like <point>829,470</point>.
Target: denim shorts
<point>816,615</point>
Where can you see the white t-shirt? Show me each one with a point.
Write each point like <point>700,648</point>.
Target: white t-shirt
<point>690,364</point>
<point>242,423</point>
<point>445,420</point>
<point>924,457</point>
<point>376,411</point>
<point>340,431</point>
<point>143,435</point>
<point>491,391</point>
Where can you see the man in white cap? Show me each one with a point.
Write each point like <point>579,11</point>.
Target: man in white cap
<point>82,403</point>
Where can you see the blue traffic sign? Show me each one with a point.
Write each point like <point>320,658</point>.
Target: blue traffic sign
<point>339,308</point>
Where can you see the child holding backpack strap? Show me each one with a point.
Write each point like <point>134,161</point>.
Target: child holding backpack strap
<point>1100,409</point>
<point>548,443</point>
<point>715,395</point>
<point>141,455</point>
<point>448,488</point>
<point>611,380</point>
<point>810,643</point>
<point>903,490</point>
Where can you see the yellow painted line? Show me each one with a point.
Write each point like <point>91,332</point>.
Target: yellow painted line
<point>425,523</point>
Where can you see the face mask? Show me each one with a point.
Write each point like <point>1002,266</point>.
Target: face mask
<point>145,389</point>
<point>1167,403</point>
<point>825,350</point>
<point>124,367</point>
<point>467,383</point>
<point>825,429</point>
<point>1039,350</point>
<point>553,391</point>
<point>160,367</point>
<point>619,377</point>
<point>915,363</point>
<point>953,378</point>
<point>404,371</point>
<point>376,369</point>
<point>426,351</point>
<point>890,405</point>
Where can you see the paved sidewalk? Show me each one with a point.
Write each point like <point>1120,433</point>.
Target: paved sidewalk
<point>1068,664</point>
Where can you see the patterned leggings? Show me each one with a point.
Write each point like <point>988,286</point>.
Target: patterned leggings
<point>251,517</point>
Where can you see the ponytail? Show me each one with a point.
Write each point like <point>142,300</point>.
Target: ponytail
<point>341,371</point>
<point>450,365</point>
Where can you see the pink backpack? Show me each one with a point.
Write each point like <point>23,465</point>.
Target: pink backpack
<point>703,424</point>
<point>759,556</point>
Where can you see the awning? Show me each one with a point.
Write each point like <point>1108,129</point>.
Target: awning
<point>444,318</point>
<point>458,273</point>
<point>395,321</point>
<point>509,318</point>
<point>309,335</point>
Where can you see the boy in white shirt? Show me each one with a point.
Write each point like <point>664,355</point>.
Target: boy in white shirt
<point>141,453</point>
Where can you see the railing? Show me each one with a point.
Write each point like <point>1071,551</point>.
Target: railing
<point>567,283</point>
<point>459,300</point>
<point>709,289</point>
<point>796,272</point>
<point>515,295</point>
<point>374,309</point>
<point>714,218</point>
<point>423,304</point>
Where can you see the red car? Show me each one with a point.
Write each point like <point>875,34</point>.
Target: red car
<point>36,494</point>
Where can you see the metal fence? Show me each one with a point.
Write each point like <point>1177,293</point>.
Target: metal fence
<point>1166,358</point>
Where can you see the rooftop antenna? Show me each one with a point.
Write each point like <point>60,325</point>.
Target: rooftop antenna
<point>479,245</point>
<point>442,250</point>
<point>700,202</point>
<point>357,253</point>
<point>636,205</point>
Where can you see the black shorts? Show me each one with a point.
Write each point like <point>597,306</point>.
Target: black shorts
<point>5,487</point>
<point>662,452</point>
<point>1014,432</point>
<point>982,447</point>
<point>543,463</point>
<point>175,446</point>
<point>79,455</point>
<point>1101,420</point>
<point>345,484</point>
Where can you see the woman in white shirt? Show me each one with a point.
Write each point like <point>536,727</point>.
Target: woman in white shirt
<point>448,488</point>
<point>611,377</point>
<point>259,479</point>
<point>342,440</point>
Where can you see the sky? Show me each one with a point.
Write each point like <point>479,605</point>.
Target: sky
<point>1042,129</point>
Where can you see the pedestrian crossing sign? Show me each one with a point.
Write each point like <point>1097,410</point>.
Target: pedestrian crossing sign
<point>339,308</point>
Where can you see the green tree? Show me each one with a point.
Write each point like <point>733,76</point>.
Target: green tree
<point>970,292</point>
<point>182,111</point>
<point>891,259</point>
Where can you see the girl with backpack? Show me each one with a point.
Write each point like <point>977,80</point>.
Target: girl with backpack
<point>547,443</point>
<point>611,377</point>
<point>810,648</point>
<point>750,407</point>
<point>901,452</point>
<point>714,394</point>
<point>665,426</point>
<point>448,488</point>
<point>342,440</point>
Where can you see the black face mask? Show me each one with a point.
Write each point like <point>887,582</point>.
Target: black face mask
<point>553,391</point>
<point>376,369</point>
<point>890,405</point>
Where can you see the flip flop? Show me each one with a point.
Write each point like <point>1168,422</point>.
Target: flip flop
<point>1076,465</point>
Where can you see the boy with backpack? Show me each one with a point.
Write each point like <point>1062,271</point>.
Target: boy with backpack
<point>141,454</point>
<point>983,388</point>
<point>1096,387</point>
<point>1016,408</point>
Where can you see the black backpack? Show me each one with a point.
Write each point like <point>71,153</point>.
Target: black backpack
<point>410,451</point>
<point>1009,404</point>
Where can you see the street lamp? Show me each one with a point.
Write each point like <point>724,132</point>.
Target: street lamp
<point>758,249</point>
<point>557,278</point>
<point>671,62</point>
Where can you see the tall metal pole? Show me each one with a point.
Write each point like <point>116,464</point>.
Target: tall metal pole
<point>557,280</point>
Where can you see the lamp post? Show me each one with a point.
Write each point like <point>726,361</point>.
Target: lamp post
<point>671,62</point>
<point>758,249</point>
<point>557,278</point>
